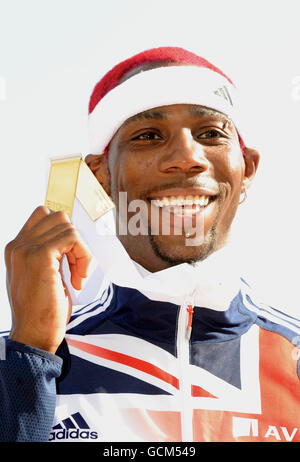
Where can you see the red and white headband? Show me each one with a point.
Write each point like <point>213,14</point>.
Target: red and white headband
<point>162,86</point>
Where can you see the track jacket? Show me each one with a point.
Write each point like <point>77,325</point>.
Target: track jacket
<point>215,365</point>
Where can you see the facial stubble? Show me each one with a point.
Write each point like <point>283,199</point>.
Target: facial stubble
<point>169,254</point>
<point>172,257</point>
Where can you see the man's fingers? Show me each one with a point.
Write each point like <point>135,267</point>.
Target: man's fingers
<point>69,242</point>
<point>76,280</point>
<point>48,236</point>
<point>38,214</point>
<point>32,245</point>
<point>38,239</point>
<point>46,223</point>
<point>79,259</point>
<point>80,265</point>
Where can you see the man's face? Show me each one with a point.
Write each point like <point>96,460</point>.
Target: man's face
<point>171,155</point>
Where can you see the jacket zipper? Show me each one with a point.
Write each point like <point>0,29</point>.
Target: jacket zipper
<point>183,352</point>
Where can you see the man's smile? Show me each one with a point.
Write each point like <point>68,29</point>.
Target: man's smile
<point>182,203</point>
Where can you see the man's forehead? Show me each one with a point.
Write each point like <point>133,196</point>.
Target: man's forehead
<point>164,113</point>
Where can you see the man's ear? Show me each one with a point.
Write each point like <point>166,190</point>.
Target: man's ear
<point>251,158</point>
<point>99,166</point>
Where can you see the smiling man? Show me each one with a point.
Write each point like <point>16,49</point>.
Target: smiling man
<point>178,156</point>
<point>197,357</point>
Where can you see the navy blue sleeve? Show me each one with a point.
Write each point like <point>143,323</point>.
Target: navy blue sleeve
<point>27,392</point>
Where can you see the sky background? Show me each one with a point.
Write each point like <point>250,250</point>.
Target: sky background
<point>53,52</point>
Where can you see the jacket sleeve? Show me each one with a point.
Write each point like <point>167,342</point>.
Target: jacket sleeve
<point>27,391</point>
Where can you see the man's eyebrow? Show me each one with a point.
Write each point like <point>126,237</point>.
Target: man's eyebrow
<point>199,111</point>
<point>196,111</point>
<point>146,116</point>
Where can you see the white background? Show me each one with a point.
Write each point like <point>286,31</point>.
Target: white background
<point>52,52</point>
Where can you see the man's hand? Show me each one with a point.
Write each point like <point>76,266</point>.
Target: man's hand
<point>40,303</point>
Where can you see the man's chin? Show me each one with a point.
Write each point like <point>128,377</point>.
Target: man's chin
<point>183,249</point>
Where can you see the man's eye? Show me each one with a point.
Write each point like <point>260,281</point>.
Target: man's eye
<point>147,136</point>
<point>210,134</point>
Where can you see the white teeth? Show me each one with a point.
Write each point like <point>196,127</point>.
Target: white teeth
<point>181,201</point>
<point>189,200</point>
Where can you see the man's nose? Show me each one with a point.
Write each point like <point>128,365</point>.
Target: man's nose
<point>184,154</point>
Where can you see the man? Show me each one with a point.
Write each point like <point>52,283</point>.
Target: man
<point>197,358</point>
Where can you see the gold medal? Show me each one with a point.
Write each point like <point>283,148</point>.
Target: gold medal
<point>70,177</point>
